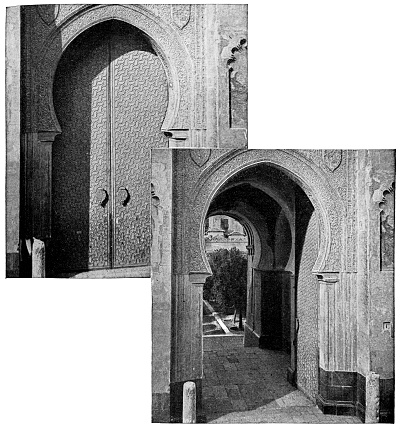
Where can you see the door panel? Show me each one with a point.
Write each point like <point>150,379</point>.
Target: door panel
<point>111,97</point>
<point>139,105</point>
<point>81,159</point>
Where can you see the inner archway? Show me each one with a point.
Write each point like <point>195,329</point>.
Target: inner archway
<point>282,291</point>
<point>225,292</point>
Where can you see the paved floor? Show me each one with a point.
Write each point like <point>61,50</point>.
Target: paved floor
<point>248,385</point>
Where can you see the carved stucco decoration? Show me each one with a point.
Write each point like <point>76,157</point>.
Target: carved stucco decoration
<point>386,207</point>
<point>310,177</point>
<point>48,12</point>
<point>236,55</point>
<point>180,14</point>
<point>200,156</point>
<point>332,158</point>
<point>165,41</point>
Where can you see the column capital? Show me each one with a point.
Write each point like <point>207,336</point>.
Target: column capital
<point>198,277</point>
<point>328,278</point>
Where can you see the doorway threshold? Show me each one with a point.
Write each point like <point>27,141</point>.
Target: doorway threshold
<point>111,273</point>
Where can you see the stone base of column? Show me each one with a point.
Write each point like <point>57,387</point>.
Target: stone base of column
<point>176,401</point>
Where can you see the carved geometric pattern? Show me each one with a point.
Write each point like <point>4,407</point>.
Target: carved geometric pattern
<point>140,104</point>
<point>99,249</point>
<point>307,311</point>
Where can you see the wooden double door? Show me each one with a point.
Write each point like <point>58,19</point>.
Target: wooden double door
<point>110,95</point>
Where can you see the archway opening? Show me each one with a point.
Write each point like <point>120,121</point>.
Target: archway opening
<point>225,292</point>
<point>281,327</point>
<point>110,95</point>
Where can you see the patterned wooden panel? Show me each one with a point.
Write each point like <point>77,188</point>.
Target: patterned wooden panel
<point>139,102</point>
<point>111,97</point>
<point>81,157</point>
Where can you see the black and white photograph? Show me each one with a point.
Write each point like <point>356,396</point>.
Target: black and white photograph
<point>264,267</point>
<point>199,213</point>
<point>100,86</point>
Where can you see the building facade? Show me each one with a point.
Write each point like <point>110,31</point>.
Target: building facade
<point>320,229</point>
<point>224,232</point>
<point>90,89</point>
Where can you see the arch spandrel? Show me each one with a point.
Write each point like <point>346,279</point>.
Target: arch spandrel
<point>165,41</point>
<point>304,172</point>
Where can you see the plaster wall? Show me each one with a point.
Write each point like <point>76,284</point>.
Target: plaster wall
<point>381,298</point>
<point>13,58</point>
<point>161,282</point>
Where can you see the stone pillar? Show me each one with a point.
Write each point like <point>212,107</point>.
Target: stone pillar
<point>38,259</point>
<point>189,403</point>
<point>326,320</point>
<point>372,398</point>
<point>13,60</point>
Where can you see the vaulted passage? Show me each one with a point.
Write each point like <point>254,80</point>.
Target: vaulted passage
<point>111,96</point>
<point>282,292</point>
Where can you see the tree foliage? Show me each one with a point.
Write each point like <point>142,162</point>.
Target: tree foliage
<point>228,284</point>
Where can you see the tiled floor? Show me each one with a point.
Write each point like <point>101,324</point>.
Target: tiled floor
<point>248,385</point>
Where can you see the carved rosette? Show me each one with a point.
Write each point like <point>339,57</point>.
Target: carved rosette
<point>332,158</point>
<point>180,14</point>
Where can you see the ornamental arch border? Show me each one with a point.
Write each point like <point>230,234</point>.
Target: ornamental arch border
<point>164,39</point>
<point>310,177</point>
